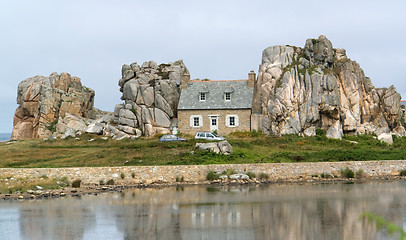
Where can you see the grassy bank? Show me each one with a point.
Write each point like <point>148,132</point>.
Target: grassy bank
<point>249,147</point>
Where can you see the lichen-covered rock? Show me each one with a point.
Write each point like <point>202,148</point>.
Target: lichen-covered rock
<point>152,93</point>
<point>46,101</point>
<point>300,89</point>
<point>223,147</point>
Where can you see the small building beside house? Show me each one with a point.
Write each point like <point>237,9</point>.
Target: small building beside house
<point>215,106</point>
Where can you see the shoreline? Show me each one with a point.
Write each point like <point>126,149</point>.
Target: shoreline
<point>17,182</point>
<point>99,189</point>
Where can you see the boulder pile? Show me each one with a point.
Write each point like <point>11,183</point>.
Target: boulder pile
<point>301,89</point>
<point>52,106</point>
<point>151,95</point>
<point>221,147</point>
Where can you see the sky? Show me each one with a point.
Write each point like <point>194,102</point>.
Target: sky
<point>218,39</point>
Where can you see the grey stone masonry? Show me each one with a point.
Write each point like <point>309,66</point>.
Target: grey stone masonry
<point>197,173</point>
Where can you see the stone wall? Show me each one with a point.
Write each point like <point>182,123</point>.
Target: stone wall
<point>197,173</point>
<point>244,120</point>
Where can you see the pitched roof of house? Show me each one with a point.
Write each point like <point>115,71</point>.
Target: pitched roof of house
<point>241,95</point>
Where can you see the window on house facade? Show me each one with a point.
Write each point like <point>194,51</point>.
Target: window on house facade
<point>196,121</point>
<point>214,121</point>
<point>227,96</point>
<point>202,97</point>
<point>232,120</point>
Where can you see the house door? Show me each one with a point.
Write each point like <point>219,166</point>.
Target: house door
<point>214,123</point>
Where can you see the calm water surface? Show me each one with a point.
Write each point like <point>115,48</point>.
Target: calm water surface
<point>279,211</point>
<point>5,136</point>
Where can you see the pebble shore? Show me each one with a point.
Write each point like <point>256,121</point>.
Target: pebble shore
<point>98,189</point>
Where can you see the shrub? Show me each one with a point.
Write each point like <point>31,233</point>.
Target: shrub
<point>320,132</point>
<point>347,173</point>
<point>76,183</point>
<point>325,175</point>
<point>179,179</point>
<point>122,175</point>
<point>229,172</point>
<point>62,182</point>
<point>101,182</point>
<point>110,182</point>
<point>133,175</point>
<point>315,175</point>
<point>359,173</point>
<point>251,175</point>
<point>402,172</point>
<point>263,176</point>
<point>211,175</point>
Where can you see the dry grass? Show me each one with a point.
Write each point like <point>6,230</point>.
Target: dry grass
<point>249,147</point>
<point>9,185</point>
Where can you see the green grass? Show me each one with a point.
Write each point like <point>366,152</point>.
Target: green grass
<point>25,184</point>
<point>249,147</point>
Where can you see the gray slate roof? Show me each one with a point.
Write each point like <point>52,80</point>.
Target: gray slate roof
<point>241,95</point>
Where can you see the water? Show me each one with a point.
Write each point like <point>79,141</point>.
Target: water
<point>5,136</point>
<point>280,211</point>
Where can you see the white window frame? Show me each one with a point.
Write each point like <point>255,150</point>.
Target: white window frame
<point>192,121</point>
<point>202,96</point>
<point>236,122</point>
<point>229,97</point>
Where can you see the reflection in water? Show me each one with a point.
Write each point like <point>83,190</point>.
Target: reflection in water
<point>45,221</point>
<point>280,211</point>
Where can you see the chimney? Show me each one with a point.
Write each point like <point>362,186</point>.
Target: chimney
<point>184,81</point>
<point>251,79</point>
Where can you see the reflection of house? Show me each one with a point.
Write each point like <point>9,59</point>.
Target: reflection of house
<point>222,106</point>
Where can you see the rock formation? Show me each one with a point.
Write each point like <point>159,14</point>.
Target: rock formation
<point>151,94</point>
<point>223,147</point>
<point>49,106</point>
<point>301,89</point>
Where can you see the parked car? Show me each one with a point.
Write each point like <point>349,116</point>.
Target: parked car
<point>171,138</point>
<point>208,136</point>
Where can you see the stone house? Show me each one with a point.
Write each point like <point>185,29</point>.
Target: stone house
<point>221,106</point>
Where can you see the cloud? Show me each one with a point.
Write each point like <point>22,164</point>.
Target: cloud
<point>216,39</point>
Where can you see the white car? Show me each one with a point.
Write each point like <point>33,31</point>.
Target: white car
<point>208,136</point>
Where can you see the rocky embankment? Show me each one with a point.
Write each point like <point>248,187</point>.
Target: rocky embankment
<point>96,189</point>
<point>301,89</point>
<point>93,180</point>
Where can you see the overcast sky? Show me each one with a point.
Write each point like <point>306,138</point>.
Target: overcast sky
<point>92,39</point>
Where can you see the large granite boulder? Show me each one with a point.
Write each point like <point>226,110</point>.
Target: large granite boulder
<point>301,89</point>
<point>151,95</point>
<point>223,147</point>
<point>47,104</point>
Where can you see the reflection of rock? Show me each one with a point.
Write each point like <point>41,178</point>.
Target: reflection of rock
<point>319,87</point>
<point>55,220</point>
<point>151,94</point>
<point>295,212</point>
